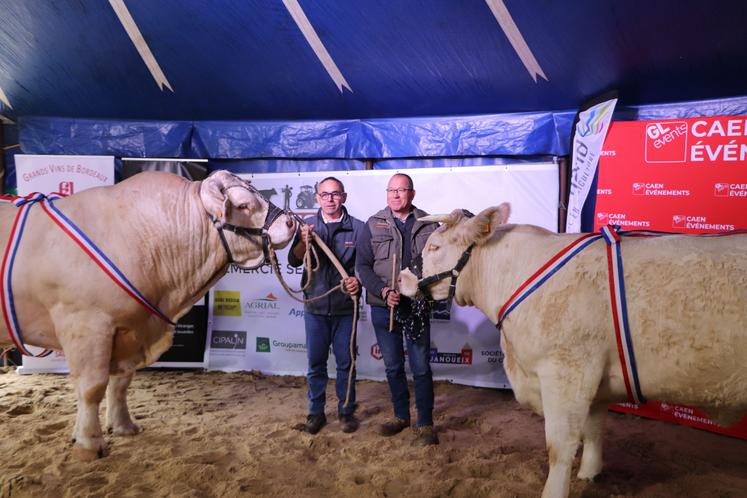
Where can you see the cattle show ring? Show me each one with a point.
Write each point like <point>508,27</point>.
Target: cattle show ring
<point>422,249</point>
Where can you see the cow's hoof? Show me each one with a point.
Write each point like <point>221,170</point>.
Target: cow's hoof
<point>125,430</point>
<point>87,455</point>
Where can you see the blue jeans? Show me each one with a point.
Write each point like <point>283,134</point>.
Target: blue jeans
<point>418,352</point>
<point>323,331</point>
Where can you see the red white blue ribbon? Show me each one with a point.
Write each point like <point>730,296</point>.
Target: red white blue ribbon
<point>620,315</point>
<point>67,226</point>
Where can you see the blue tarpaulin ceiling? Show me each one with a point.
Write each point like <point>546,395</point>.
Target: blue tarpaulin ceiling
<point>355,78</point>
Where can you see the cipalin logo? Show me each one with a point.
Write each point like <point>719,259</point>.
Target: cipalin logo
<point>228,339</point>
<point>263,344</point>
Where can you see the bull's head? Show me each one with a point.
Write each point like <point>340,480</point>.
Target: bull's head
<point>252,222</point>
<point>447,247</point>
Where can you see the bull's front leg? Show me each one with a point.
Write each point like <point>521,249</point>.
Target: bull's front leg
<point>88,353</point>
<point>118,419</point>
<point>566,399</point>
<point>591,458</point>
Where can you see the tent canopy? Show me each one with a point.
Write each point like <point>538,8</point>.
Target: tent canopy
<point>264,66</point>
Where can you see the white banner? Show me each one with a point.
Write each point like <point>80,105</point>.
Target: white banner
<point>66,175</point>
<point>256,326</point>
<point>63,174</point>
<point>591,131</point>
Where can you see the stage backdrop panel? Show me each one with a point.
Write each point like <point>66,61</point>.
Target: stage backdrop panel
<point>678,175</point>
<point>257,326</point>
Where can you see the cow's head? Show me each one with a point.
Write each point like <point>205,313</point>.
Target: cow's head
<point>448,244</point>
<point>247,221</point>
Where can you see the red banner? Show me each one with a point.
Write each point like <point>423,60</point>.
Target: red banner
<point>679,175</point>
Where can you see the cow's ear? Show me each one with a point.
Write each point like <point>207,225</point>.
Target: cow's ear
<point>482,226</point>
<point>214,198</point>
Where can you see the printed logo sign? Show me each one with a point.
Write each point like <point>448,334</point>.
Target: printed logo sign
<point>227,303</point>
<point>376,352</point>
<point>464,357</point>
<point>228,339</point>
<point>666,142</point>
<point>66,188</point>
<point>263,344</point>
<point>730,190</point>
<point>266,307</point>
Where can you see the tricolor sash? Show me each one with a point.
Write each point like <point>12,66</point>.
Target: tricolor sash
<point>66,225</point>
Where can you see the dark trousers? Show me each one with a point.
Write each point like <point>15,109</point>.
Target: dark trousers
<point>418,353</point>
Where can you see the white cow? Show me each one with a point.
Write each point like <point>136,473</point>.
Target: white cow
<point>156,228</point>
<point>687,305</point>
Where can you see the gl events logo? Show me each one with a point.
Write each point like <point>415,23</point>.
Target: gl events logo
<point>666,142</point>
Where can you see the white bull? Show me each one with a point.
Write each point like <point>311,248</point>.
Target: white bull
<point>687,306</point>
<point>156,228</point>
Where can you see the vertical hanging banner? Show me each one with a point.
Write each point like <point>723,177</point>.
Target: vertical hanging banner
<point>591,129</point>
<point>677,175</point>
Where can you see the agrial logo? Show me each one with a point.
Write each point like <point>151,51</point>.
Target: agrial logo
<point>263,344</point>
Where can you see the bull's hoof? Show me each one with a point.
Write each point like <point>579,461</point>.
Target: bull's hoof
<point>87,455</point>
<point>125,430</point>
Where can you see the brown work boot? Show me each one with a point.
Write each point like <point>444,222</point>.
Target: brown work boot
<point>425,436</point>
<point>393,426</point>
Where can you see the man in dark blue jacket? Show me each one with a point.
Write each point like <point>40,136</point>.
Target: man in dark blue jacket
<point>328,321</point>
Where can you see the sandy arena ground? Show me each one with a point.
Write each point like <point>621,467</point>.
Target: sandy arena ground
<point>223,435</point>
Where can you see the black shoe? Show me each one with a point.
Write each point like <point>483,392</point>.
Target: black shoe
<point>393,426</point>
<point>314,423</point>
<point>425,436</point>
<point>349,423</point>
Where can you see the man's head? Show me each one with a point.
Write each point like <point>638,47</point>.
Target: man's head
<point>330,194</point>
<point>399,194</point>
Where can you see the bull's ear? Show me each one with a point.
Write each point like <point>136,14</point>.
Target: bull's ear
<point>450,219</point>
<point>480,228</point>
<point>213,196</point>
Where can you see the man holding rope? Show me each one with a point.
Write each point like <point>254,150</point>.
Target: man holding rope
<point>392,239</point>
<point>328,321</point>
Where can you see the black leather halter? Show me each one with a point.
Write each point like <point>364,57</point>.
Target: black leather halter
<point>453,273</point>
<point>273,213</point>
<point>423,283</point>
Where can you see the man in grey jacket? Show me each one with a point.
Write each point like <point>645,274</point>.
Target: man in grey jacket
<point>328,321</point>
<point>395,232</point>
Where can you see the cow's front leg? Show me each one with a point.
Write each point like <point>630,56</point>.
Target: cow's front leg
<point>565,403</point>
<point>118,420</point>
<point>88,353</point>
<point>591,458</point>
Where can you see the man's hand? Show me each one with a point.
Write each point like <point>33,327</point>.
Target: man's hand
<point>351,285</point>
<point>306,231</point>
<point>391,296</point>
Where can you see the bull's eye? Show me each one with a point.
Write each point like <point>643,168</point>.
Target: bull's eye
<point>243,206</point>
<point>432,247</point>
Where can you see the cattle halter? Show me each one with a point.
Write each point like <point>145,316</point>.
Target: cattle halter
<point>273,213</point>
<point>423,284</point>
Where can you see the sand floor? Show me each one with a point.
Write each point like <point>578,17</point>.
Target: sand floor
<point>230,434</point>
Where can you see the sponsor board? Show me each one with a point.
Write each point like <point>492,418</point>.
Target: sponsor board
<point>685,175</point>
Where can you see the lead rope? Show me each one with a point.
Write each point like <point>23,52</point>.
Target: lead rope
<point>343,274</point>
